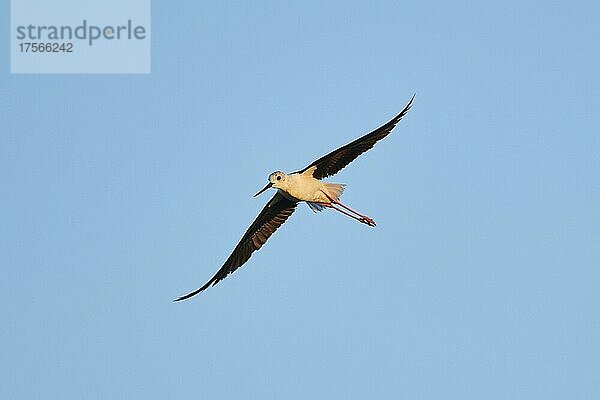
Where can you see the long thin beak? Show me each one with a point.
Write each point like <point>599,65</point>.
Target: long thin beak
<point>263,189</point>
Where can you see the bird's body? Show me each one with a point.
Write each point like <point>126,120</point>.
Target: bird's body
<point>301,186</point>
<point>304,185</point>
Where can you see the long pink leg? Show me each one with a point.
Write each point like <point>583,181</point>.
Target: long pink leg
<point>361,218</point>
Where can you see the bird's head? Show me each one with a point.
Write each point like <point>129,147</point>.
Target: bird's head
<point>277,180</point>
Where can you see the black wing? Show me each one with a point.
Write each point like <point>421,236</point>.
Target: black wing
<point>333,162</point>
<point>272,216</point>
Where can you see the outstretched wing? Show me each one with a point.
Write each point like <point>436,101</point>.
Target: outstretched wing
<point>333,162</point>
<point>272,216</point>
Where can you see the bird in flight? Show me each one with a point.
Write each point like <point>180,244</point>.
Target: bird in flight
<point>304,185</point>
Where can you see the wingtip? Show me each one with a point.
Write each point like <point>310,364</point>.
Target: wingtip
<point>212,282</point>
<point>405,109</point>
<point>409,104</point>
<point>181,298</point>
<point>187,296</point>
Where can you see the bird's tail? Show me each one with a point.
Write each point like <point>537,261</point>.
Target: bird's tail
<point>334,190</point>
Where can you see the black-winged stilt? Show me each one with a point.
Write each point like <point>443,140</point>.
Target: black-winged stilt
<point>304,185</point>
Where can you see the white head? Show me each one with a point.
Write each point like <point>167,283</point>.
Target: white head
<point>277,180</point>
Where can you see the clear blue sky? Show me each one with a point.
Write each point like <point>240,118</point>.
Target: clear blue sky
<point>481,280</point>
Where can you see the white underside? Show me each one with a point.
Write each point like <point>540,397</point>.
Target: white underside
<point>303,187</point>
<point>333,190</point>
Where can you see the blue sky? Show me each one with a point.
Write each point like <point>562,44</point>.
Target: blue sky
<point>121,192</point>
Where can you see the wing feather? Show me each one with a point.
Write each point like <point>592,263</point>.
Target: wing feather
<point>333,162</point>
<point>272,216</point>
